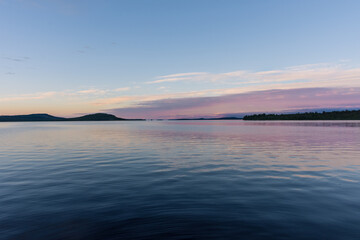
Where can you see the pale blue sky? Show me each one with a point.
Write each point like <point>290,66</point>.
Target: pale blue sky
<point>57,48</point>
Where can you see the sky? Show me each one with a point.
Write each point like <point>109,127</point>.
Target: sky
<point>176,59</point>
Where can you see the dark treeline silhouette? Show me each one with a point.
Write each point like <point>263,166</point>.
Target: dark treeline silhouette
<point>336,115</point>
<point>46,117</point>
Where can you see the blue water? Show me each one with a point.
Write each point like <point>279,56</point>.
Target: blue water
<point>180,180</point>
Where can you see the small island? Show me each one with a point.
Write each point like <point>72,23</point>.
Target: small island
<point>43,117</point>
<point>335,115</point>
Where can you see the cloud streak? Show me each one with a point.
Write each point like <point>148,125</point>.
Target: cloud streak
<point>20,59</point>
<point>317,73</point>
<point>178,77</point>
<point>92,92</point>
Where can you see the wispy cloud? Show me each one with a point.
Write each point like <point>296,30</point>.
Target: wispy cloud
<point>84,49</point>
<point>178,77</point>
<point>182,74</point>
<point>122,89</point>
<point>34,96</point>
<point>17,59</point>
<point>92,92</point>
<point>316,73</point>
<point>175,79</point>
<point>136,99</point>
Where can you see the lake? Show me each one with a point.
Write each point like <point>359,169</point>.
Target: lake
<point>180,180</point>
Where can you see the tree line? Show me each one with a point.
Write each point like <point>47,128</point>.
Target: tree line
<point>335,115</point>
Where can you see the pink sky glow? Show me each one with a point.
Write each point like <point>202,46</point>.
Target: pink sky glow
<point>258,101</point>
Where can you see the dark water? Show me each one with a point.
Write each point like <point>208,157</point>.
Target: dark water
<point>180,180</point>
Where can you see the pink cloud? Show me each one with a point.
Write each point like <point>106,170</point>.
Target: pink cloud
<point>257,101</point>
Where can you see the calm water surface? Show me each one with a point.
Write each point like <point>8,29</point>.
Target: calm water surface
<point>180,180</point>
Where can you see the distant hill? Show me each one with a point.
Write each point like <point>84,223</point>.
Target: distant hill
<point>336,115</point>
<point>30,118</point>
<point>47,117</point>
<point>97,117</point>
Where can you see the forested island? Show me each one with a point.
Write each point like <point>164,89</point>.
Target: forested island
<point>336,115</point>
<point>43,117</point>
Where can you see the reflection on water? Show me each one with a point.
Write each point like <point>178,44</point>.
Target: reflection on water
<point>180,180</point>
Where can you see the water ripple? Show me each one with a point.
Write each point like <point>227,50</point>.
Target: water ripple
<point>180,180</point>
